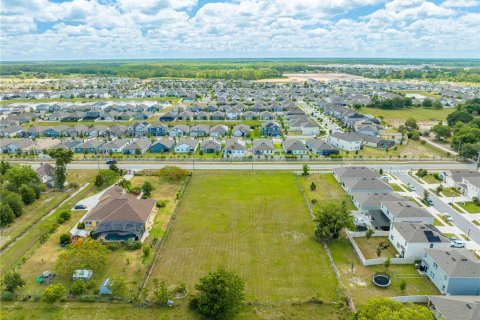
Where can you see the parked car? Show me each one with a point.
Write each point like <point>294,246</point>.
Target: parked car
<point>111,162</point>
<point>412,188</point>
<point>430,202</point>
<point>457,244</point>
<point>80,207</point>
<point>447,216</point>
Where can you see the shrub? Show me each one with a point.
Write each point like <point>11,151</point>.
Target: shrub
<point>81,225</point>
<point>54,293</point>
<point>65,239</point>
<point>161,204</point>
<point>65,215</point>
<point>7,296</point>
<point>313,186</point>
<point>146,251</point>
<point>314,201</point>
<point>12,280</point>
<point>133,245</point>
<point>78,287</point>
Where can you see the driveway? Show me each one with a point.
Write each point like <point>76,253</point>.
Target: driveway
<point>462,223</point>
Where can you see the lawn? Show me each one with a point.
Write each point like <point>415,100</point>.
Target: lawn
<point>399,116</point>
<point>48,201</point>
<point>359,282</point>
<point>396,187</point>
<point>328,189</point>
<point>102,311</point>
<point>369,247</point>
<point>450,192</point>
<point>255,224</point>
<point>428,94</point>
<point>430,179</point>
<point>469,206</point>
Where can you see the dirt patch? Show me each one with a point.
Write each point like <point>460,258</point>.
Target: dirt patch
<point>300,77</point>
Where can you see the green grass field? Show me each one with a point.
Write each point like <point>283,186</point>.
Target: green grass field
<point>420,114</point>
<point>255,224</point>
<point>470,207</point>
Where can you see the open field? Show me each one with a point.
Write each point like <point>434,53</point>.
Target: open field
<point>123,311</point>
<point>412,149</point>
<point>359,282</point>
<point>255,224</point>
<point>300,77</point>
<point>369,247</point>
<point>328,189</point>
<point>398,117</point>
<point>426,94</point>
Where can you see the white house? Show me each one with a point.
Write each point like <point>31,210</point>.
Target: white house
<point>405,211</point>
<point>186,145</point>
<point>410,239</point>
<point>472,187</point>
<point>310,128</point>
<point>235,148</point>
<point>345,141</point>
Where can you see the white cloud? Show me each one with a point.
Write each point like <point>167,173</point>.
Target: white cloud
<point>170,28</point>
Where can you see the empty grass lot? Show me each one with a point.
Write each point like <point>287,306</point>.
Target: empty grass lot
<point>328,189</point>
<point>359,282</point>
<point>420,114</point>
<point>256,224</point>
<point>102,311</point>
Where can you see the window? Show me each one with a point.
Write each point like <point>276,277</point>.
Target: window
<point>391,236</point>
<point>431,245</point>
<point>435,265</point>
<point>445,277</point>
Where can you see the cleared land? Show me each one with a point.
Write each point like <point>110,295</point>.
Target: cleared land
<point>359,282</point>
<point>398,117</point>
<point>300,77</point>
<point>255,224</point>
<point>412,149</point>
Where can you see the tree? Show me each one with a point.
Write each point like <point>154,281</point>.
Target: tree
<point>437,105</point>
<point>65,239</point>
<point>54,293</point>
<point>220,295</point>
<point>403,286</point>
<point>442,131</point>
<point>27,193</point>
<point>126,184</point>
<point>379,252</point>
<point>411,123</point>
<point>118,286</point>
<point>147,188</point>
<point>160,292</point>
<point>6,215</point>
<point>78,287</point>
<point>87,254</point>
<point>388,309</point>
<point>427,103</point>
<point>21,174</point>
<point>439,188</point>
<point>369,233</point>
<point>12,280</point>
<point>426,196</point>
<point>476,201</point>
<point>305,169</point>
<point>386,264</point>
<point>146,251</point>
<point>13,200</point>
<point>330,219</point>
<point>313,186</point>
<point>459,116</point>
<point>173,172</point>
<point>62,158</point>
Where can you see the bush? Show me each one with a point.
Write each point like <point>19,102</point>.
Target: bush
<point>7,296</point>
<point>133,245</point>
<point>65,215</point>
<point>161,204</point>
<point>54,293</point>
<point>314,201</point>
<point>78,287</point>
<point>65,239</point>
<point>81,225</point>
<point>313,186</point>
<point>146,251</point>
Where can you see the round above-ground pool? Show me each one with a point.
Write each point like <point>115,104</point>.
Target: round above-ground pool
<point>381,280</point>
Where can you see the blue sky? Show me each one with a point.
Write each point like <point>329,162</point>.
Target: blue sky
<point>129,29</point>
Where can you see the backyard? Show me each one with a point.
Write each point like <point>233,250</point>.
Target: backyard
<point>328,189</point>
<point>359,282</point>
<point>256,224</point>
<point>369,247</point>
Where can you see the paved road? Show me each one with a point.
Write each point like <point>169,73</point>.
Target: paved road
<point>393,166</point>
<point>458,219</point>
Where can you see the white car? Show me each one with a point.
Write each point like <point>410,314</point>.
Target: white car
<point>448,216</point>
<point>457,244</point>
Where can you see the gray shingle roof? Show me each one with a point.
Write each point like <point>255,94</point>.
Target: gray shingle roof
<point>419,233</point>
<point>457,263</point>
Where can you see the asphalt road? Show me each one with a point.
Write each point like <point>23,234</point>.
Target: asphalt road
<point>458,219</point>
<point>224,165</point>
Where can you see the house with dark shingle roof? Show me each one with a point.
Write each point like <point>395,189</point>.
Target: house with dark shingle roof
<point>454,307</point>
<point>295,147</point>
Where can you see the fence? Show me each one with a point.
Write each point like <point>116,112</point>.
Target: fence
<point>377,261</point>
<point>411,299</point>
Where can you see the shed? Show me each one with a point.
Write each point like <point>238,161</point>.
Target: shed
<point>82,275</point>
<point>105,287</point>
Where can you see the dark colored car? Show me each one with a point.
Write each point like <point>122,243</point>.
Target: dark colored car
<point>80,207</point>
<point>111,162</point>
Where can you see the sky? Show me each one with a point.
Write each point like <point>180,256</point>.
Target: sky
<point>156,29</point>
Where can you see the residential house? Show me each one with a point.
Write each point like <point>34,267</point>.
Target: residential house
<point>210,146</point>
<point>187,145</point>
<point>162,146</point>
<point>369,185</point>
<point>405,211</point>
<point>158,130</point>
<point>241,130</point>
<point>12,131</point>
<point>294,147</point>
<point>320,148</point>
<point>168,117</point>
<point>46,173</point>
<point>470,187</point>
<point>453,178</point>
<point>454,307</point>
<point>410,239</point>
<point>309,128</point>
<point>199,130</point>
<point>346,141</point>
<point>453,272</point>
<point>121,217</point>
<point>180,130</point>
<point>137,146</point>
<point>271,129</point>
<point>218,130</point>
<point>234,148</point>
<point>114,146</point>
<point>354,172</point>
<point>138,129</point>
<point>263,147</point>
<point>217,115</point>
<point>90,146</point>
